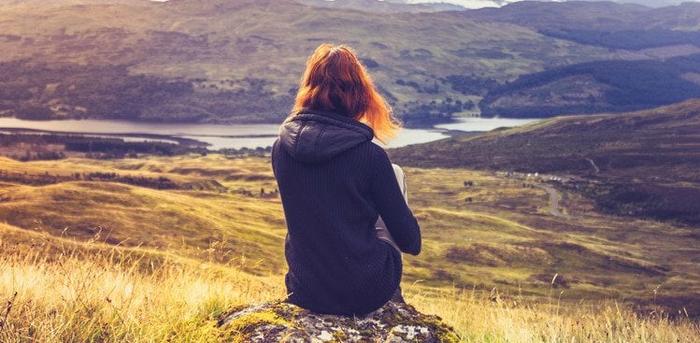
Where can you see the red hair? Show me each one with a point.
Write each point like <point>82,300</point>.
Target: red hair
<point>336,81</point>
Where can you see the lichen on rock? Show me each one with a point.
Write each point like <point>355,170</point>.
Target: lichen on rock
<point>284,322</point>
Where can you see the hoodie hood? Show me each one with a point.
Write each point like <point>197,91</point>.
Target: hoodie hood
<point>314,136</point>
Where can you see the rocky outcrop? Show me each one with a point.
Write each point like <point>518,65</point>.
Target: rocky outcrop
<point>284,322</point>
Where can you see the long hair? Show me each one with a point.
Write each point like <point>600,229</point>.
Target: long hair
<point>336,81</point>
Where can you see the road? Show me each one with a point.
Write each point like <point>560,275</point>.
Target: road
<point>595,166</point>
<point>554,200</point>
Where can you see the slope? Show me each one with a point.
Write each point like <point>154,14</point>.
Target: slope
<point>240,61</point>
<point>480,230</point>
<point>640,164</point>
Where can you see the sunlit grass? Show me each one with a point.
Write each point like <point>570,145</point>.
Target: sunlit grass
<point>103,261</point>
<point>113,295</point>
<point>59,291</point>
<point>239,224</point>
<point>487,319</point>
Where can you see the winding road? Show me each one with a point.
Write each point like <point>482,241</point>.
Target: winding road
<point>554,200</point>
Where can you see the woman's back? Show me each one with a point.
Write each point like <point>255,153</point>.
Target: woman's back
<point>334,182</point>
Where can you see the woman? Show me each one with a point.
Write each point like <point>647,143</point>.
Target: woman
<point>335,183</point>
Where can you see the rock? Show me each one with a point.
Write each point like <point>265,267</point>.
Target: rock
<point>284,322</point>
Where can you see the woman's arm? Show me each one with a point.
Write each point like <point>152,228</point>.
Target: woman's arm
<point>392,207</point>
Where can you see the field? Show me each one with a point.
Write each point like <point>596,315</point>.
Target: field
<point>504,259</point>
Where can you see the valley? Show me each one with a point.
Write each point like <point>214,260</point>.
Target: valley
<point>551,152</point>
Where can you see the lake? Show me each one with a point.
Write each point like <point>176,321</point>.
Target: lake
<point>239,135</point>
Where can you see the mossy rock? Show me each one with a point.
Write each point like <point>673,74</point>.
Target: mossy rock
<point>284,322</point>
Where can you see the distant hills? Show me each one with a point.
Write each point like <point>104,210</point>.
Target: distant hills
<point>644,164</point>
<point>395,6</point>
<point>595,87</point>
<point>239,61</point>
<point>433,5</point>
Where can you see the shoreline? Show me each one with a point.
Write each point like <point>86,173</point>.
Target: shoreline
<point>217,136</point>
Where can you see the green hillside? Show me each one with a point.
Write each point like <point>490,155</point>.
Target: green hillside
<point>595,87</point>
<point>658,64</point>
<point>90,250</point>
<point>601,16</point>
<point>638,164</point>
<point>223,61</point>
<point>481,230</point>
<point>239,61</point>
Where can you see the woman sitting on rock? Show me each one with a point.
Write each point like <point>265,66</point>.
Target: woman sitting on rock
<point>344,202</point>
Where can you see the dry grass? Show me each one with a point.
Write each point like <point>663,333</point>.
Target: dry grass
<point>63,291</point>
<point>176,259</point>
<point>484,319</point>
<point>56,289</point>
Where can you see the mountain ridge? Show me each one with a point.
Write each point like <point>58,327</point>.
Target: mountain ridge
<point>213,63</point>
<point>233,62</point>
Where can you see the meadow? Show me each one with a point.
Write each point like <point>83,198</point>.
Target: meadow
<point>96,260</point>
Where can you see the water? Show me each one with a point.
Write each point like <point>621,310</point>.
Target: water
<point>476,124</point>
<point>218,136</point>
<point>239,135</point>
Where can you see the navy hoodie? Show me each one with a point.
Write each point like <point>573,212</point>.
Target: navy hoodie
<point>334,183</point>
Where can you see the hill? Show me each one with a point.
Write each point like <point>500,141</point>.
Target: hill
<point>593,16</point>
<point>596,87</point>
<point>385,6</point>
<point>660,68</point>
<point>215,60</point>
<point>88,291</point>
<point>480,229</point>
<point>224,61</point>
<point>124,260</point>
<point>636,164</point>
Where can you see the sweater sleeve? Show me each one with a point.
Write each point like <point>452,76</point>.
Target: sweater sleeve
<point>397,216</point>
